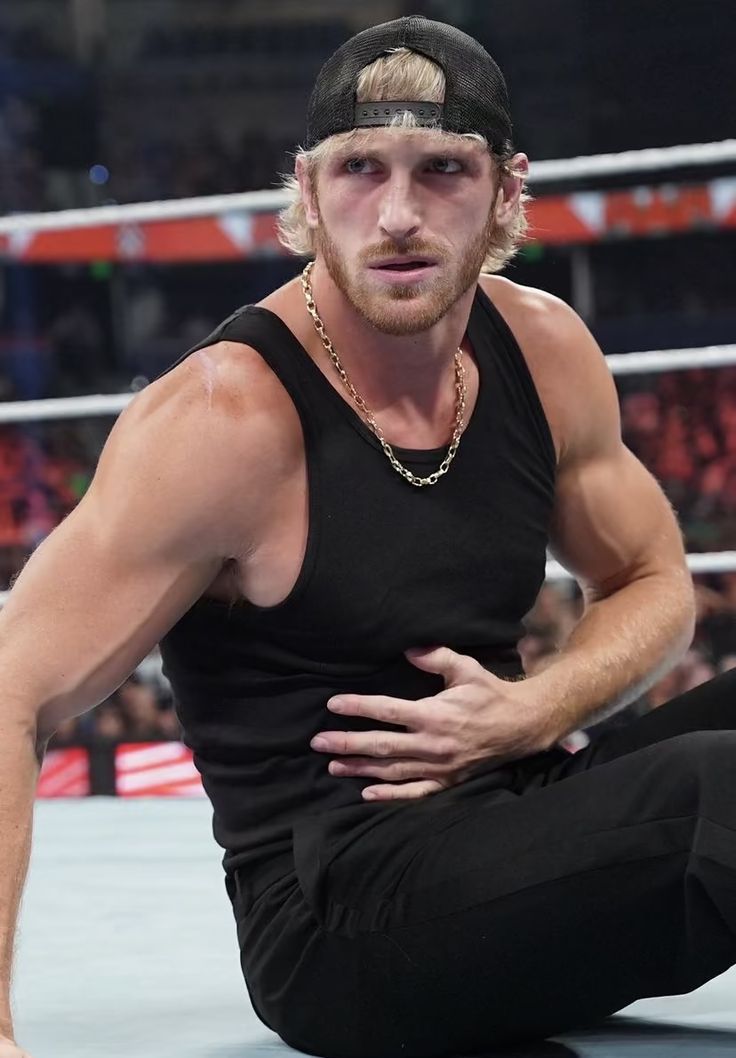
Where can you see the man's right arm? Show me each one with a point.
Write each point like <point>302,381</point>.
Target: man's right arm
<point>156,525</point>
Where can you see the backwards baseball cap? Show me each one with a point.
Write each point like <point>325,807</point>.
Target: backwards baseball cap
<point>476,97</point>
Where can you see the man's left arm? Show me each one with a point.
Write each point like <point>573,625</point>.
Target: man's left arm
<point>614,529</point>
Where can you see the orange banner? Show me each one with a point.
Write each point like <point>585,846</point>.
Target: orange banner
<point>581,217</point>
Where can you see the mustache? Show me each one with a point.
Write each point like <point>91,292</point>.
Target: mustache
<point>410,248</point>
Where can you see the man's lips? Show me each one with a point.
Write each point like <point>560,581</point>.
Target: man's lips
<point>404,264</point>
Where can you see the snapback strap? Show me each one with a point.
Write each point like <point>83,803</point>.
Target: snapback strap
<point>382,113</point>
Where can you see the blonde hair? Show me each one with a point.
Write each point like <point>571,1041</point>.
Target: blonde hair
<point>401,74</point>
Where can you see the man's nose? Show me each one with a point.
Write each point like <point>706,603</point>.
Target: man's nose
<point>399,214</point>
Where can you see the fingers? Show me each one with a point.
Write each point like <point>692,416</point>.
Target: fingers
<point>384,744</point>
<point>407,768</point>
<point>399,711</point>
<point>453,667</point>
<point>410,791</point>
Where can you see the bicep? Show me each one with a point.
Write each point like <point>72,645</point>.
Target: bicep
<point>611,521</point>
<point>139,549</point>
<point>87,608</point>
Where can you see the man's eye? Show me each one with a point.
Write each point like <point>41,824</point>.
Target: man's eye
<point>445,165</point>
<point>359,165</point>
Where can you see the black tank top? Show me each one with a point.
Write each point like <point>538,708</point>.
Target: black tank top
<point>387,566</point>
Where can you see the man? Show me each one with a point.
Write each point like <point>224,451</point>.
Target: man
<point>334,515</point>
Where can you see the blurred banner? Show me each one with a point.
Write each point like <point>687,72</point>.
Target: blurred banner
<point>158,769</point>
<point>580,217</point>
<point>155,769</point>
<point>65,773</point>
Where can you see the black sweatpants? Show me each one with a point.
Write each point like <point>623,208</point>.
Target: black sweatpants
<point>537,897</point>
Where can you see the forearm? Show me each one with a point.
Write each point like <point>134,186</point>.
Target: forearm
<point>622,645</point>
<point>19,770</point>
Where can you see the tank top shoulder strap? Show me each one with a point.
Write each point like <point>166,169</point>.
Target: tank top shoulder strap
<point>514,364</point>
<point>265,332</point>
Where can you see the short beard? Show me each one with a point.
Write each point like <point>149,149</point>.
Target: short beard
<point>388,313</point>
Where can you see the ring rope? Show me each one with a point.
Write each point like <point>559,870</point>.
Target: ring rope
<point>697,562</point>
<point>620,364</point>
<point>650,159</point>
<point>671,360</point>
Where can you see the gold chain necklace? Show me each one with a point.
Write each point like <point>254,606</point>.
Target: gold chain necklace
<point>459,387</point>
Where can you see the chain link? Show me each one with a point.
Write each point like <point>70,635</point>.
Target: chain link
<point>460,390</point>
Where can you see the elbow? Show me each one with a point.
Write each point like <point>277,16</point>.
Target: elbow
<point>676,590</point>
<point>668,590</point>
<point>682,582</point>
<point>690,614</point>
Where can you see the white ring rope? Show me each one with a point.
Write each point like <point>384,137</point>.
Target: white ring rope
<point>651,159</point>
<point>648,160</point>
<point>620,364</point>
<point>671,360</point>
<point>64,407</point>
<point>697,562</point>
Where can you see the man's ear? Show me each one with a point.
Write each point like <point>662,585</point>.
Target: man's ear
<point>510,188</point>
<point>308,193</point>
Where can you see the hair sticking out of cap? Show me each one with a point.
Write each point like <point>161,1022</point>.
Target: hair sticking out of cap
<point>401,74</point>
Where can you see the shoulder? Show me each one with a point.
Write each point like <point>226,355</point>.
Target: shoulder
<point>569,369</point>
<point>222,425</point>
<point>533,314</point>
<point>229,387</point>
<point>232,375</point>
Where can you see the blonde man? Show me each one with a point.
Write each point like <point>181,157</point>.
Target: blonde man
<point>334,514</point>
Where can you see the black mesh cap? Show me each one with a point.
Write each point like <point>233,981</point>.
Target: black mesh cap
<point>476,97</point>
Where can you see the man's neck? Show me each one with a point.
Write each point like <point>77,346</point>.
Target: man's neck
<point>408,374</point>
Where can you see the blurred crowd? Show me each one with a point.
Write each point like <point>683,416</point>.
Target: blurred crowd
<point>684,430</point>
<point>151,112</point>
<point>205,163</point>
<point>141,710</point>
<point>44,472</point>
<point>138,167</point>
<point>22,180</point>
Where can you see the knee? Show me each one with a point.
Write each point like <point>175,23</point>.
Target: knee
<point>696,748</point>
<point>703,764</point>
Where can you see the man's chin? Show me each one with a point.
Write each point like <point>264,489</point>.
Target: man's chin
<point>402,310</point>
<point>400,317</point>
